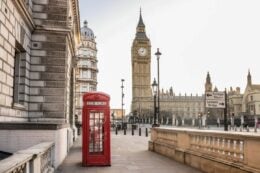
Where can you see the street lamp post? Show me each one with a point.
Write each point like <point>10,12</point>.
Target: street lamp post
<point>225,113</point>
<point>113,119</point>
<point>122,86</point>
<point>154,88</point>
<point>158,54</point>
<point>200,120</point>
<point>207,120</point>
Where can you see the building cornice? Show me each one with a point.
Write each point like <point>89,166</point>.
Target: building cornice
<point>26,16</point>
<point>75,6</point>
<point>32,126</point>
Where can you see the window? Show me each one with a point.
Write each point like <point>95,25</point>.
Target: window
<point>92,88</point>
<point>93,64</point>
<point>84,88</point>
<point>96,124</point>
<point>19,85</point>
<point>252,107</point>
<point>85,74</point>
<point>93,75</point>
<point>84,63</point>
<point>251,97</point>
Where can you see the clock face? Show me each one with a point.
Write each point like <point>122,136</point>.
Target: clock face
<point>142,51</point>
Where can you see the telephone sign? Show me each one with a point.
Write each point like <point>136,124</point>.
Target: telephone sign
<point>96,103</point>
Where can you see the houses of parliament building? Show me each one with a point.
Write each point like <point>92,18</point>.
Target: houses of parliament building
<point>182,106</point>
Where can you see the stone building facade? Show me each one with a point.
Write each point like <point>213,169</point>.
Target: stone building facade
<point>235,98</point>
<point>86,68</point>
<point>247,103</point>
<point>182,106</point>
<point>239,103</point>
<point>38,41</point>
<point>117,114</point>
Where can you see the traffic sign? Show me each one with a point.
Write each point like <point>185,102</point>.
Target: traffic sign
<point>215,100</point>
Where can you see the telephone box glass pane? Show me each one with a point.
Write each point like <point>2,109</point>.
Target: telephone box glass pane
<point>96,137</point>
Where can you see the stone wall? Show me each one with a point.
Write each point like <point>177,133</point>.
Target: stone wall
<point>15,32</point>
<point>52,53</point>
<point>15,137</point>
<point>38,41</point>
<point>48,75</point>
<point>44,35</point>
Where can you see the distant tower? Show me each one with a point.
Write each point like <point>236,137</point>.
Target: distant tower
<point>208,84</point>
<point>249,78</point>
<point>141,69</point>
<point>86,70</point>
<point>215,89</point>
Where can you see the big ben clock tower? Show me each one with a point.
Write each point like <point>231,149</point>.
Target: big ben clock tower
<point>141,70</point>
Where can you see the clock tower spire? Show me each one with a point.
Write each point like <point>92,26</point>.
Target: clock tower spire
<point>141,70</point>
<point>140,29</point>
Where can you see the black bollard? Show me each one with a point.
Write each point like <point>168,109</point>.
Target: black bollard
<point>133,132</point>
<point>124,131</point>
<point>139,131</point>
<point>146,132</point>
<point>116,130</point>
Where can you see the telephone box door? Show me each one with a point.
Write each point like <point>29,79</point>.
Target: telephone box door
<point>96,129</point>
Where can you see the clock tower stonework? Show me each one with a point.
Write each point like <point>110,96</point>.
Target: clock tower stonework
<point>141,71</point>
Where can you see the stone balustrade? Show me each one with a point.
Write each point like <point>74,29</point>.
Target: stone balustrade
<point>208,150</point>
<point>36,159</point>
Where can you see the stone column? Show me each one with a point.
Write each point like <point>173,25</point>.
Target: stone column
<point>204,118</point>
<point>232,121</point>
<point>242,120</point>
<point>173,120</point>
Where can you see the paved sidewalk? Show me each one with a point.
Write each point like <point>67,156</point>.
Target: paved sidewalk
<point>129,155</point>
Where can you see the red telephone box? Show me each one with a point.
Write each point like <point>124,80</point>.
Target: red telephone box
<point>96,129</point>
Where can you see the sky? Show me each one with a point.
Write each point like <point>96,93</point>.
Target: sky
<point>221,37</point>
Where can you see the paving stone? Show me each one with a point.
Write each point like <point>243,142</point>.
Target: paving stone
<point>129,155</point>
